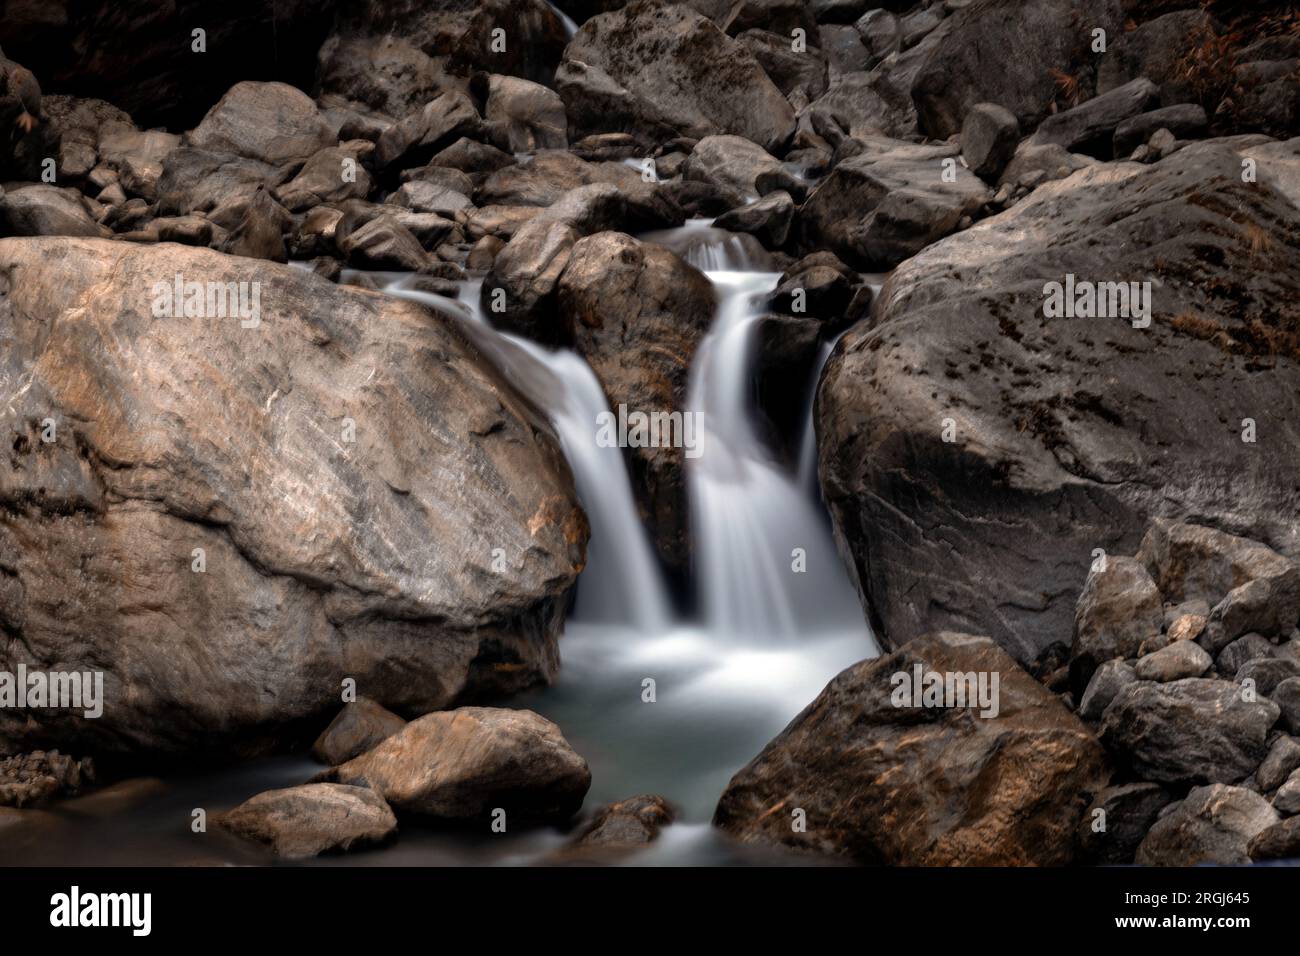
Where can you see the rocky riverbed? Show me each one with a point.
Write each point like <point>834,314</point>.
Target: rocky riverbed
<point>988,314</point>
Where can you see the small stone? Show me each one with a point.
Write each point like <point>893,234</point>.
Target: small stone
<point>1246,648</point>
<point>1183,659</point>
<point>1279,842</point>
<point>1188,627</point>
<point>1109,679</point>
<point>1287,696</point>
<point>1215,824</point>
<point>1267,673</point>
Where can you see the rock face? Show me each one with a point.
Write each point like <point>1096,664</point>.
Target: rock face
<point>307,493</point>
<point>463,764</point>
<point>359,726</point>
<point>923,786</point>
<point>654,67</point>
<point>1063,441</point>
<point>302,822</point>
<point>1188,731</point>
<point>1214,824</point>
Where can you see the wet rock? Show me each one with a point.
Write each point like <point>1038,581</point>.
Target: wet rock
<point>1118,610</point>
<point>1189,731</point>
<point>1185,121</point>
<point>358,727</point>
<point>213,419</point>
<point>270,122</point>
<point>923,786</point>
<point>637,312</point>
<point>1127,813</point>
<point>1104,686</point>
<point>651,68</point>
<point>1056,417</point>
<point>1047,38</point>
<point>299,823</point>
<point>989,137</point>
<point>1214,824</point>
<point>462,764</point>
<point>625,825</point>
<point>1281,841</point>
<point>1174,662</point>
<point>42,210</point>
<point>527,116</point>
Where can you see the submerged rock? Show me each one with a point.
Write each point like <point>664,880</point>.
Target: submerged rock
<point>303,822</point>
<point>311,490</point>
<point>886,783</point>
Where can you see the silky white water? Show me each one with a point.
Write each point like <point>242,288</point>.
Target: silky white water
<point>778,617</point>
<point>766,640</point>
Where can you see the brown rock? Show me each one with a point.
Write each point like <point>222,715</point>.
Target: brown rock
<point>302,822</point>
<point>358,727</point>
<point>924,786</point>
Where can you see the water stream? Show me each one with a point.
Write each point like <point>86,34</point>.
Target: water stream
<point>768,637</point>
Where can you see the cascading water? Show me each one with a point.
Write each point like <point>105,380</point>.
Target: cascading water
<point>770,636</point>
<point>779,615</point>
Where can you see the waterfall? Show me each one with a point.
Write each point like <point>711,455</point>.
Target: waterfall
<point>778,616</point>
<point>622,582</point>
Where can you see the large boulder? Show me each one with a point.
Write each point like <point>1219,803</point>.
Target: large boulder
<point>319,487</point>
<point>653,67</point>
<point>1188,731</point>
<point>299,823</point>
<point>876,777</point>
<point>1061,437</point>
<point>1011,53</point>
<point>140,55</point>
<point>463,764</point>
<point>636,311</point>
